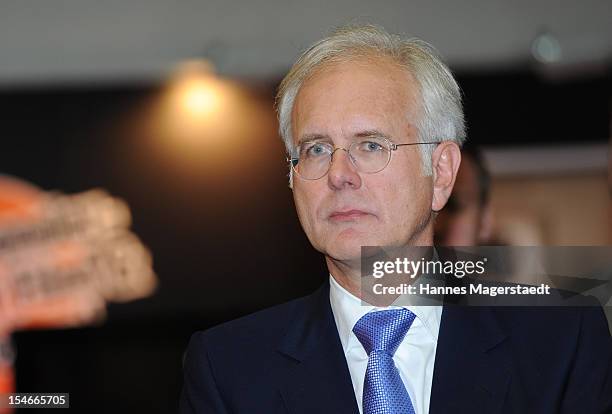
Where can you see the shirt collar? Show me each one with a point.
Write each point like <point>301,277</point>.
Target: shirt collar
<point>348,309</point>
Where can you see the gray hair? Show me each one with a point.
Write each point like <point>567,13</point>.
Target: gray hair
<point>440,116</point>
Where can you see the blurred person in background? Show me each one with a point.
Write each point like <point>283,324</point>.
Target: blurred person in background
<point>467,218</point>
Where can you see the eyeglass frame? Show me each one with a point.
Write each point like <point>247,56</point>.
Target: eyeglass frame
<point>293,161</point>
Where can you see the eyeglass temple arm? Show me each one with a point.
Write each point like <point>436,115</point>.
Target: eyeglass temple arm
<point>395,146</point>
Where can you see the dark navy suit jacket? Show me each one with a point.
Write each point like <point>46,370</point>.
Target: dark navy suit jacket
<point>289,359</point>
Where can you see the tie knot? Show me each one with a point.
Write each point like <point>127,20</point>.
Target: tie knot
<point>383,330</point>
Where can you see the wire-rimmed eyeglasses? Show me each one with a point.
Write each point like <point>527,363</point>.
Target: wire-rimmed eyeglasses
<point>369,155</point>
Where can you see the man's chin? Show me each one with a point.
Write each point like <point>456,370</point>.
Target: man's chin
<point>345,245</point>
<point>347,249</point>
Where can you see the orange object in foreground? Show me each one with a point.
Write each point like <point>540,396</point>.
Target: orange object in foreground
<point>62,258</point>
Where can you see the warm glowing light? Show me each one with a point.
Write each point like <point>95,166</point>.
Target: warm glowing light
<point>196,90</point>
<point>205,121</point>
<point>199,97</point>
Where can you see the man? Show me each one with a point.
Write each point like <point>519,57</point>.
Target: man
<point>467,218</point>
<point>373,125</point>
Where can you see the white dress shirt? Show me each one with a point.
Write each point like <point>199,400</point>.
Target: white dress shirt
<point>414,358</point>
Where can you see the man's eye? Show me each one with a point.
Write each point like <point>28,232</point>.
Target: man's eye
<point>315,150</point>
<point>370,146</point>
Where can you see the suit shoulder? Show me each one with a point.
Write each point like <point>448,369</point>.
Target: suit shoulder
<point>262,326</point>
<point>553,323</point>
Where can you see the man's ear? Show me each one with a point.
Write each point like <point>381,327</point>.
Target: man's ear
<point>445,162</point>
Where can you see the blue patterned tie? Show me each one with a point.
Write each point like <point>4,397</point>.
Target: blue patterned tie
<point>381,333</point>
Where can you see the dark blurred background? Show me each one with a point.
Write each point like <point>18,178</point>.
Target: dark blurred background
<point>170,107</point>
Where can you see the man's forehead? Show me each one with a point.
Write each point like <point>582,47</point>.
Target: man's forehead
<point>347,81</point>
<point>368,103</point>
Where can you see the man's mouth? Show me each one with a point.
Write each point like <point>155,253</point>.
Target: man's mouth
<point>347,215</point>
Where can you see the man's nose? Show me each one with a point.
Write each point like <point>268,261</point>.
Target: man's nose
<point>342,173</point>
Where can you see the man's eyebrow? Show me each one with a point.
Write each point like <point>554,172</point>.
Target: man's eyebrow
<point>368,133</point>
<point>371,133</point>
<point>312,137</point>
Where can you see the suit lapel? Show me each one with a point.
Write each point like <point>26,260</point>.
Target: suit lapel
<point>318,379</point>
<point>471,371</point>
